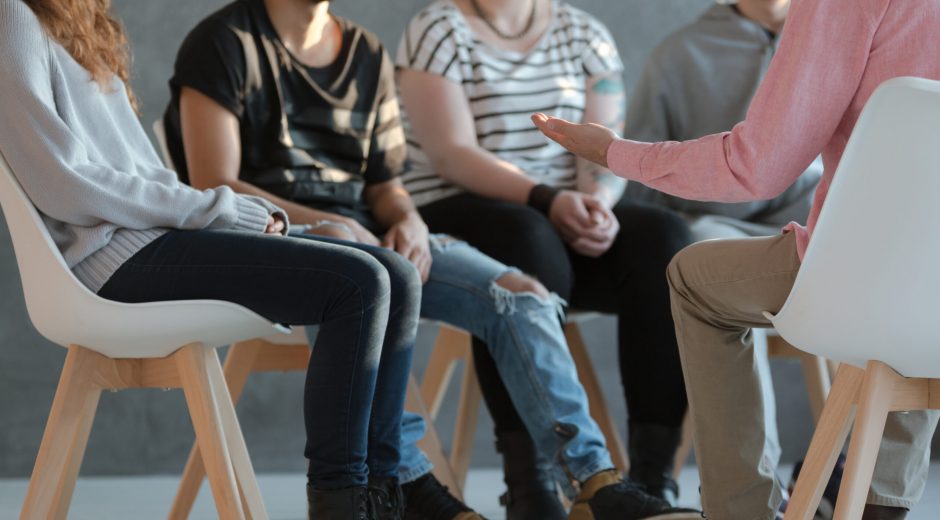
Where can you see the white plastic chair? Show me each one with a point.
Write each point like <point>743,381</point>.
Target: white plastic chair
<point>116,346</point>
<point>866,294</point>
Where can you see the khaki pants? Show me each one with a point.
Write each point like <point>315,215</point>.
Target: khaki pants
<point>719,290</point>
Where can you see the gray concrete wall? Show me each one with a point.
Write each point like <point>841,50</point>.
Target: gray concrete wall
<point>148,431</point>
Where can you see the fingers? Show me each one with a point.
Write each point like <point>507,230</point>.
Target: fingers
<point>591,248</point>
<point>553,128</point>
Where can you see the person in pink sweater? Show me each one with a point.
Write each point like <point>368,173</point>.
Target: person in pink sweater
<point>833,55</point>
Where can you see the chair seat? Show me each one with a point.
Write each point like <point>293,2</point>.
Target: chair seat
<point>154,330</point>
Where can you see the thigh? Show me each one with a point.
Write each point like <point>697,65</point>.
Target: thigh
<point>737,280</point>
<point>635,264</point>
<point>513,234</point>
<point>459,290</point>
<point>288,280</point>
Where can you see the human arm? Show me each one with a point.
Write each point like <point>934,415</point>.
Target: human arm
<point>212,146</point>
<point>800,104</point>
<point>443,123</point>
<point>56,171</point>
<point>605,104</point>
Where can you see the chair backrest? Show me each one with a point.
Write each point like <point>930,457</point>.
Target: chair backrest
<point>159,131</point>
<point>66,312</point>
<point>869,286</point>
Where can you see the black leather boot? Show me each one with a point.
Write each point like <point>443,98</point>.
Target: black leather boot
<point>652,452</point>
<point>386,498</point>
<point>531,494</point>
<point>339,504</point>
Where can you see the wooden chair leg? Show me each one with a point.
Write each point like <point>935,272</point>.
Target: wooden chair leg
<point>830,435</point>
<point>818,382</point>
<point>430,444</point>
<point>193,362</point>
<point>241,461</point>
<point>596,400</point>
<point>451,346</point>
<point>238,363</point>
<point>64,440</point>
<point>468,411</point>
<point>874,403</point>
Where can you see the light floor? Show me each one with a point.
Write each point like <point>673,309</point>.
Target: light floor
<point>148,498</point>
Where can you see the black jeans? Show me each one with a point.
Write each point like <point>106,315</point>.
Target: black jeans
<point>629,281</point>
<point>365,301</point>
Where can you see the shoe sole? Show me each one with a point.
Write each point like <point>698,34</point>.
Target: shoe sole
<point>690,515</point>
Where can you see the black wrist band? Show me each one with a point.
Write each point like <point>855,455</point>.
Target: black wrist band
<point>542,196</point>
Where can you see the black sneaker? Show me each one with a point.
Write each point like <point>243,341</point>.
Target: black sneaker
<point>340,504</point>
<point>608,496</point>
<point>428,499</point>
<point>386,498</point>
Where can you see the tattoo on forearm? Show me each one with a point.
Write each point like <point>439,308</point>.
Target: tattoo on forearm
<point>612,84</point>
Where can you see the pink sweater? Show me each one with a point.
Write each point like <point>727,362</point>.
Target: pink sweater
<point>833,55</point>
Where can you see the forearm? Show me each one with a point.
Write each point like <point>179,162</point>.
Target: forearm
<point>600,182</point>
<point>481,172</point>
<point>392,206</point>
<point>297,213</point>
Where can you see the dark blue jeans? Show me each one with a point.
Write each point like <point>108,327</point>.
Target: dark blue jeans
<point>365,304</point>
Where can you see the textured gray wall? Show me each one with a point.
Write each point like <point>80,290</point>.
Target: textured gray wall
<point>148,431</point>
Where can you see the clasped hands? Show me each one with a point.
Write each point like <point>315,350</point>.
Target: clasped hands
<point>585,223</point>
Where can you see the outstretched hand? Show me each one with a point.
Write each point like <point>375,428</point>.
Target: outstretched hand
<point>588,141</point>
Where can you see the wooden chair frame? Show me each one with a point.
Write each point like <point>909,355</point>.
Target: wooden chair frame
<point>259,355</point>
<point>868,395</point>
<point>194,368</point>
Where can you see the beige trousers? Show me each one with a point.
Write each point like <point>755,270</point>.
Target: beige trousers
<point>719,290</point>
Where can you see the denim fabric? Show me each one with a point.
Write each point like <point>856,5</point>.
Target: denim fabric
<point>523,333</point>
<point>366,306</point>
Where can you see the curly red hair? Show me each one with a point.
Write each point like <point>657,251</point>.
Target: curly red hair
<point>91,34</point>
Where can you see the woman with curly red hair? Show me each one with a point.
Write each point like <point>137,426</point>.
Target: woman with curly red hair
<point>131,232</point>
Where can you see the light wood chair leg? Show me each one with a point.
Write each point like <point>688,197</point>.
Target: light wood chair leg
<point>241,461</point>
<point>238,363</point>
<point>451,346</point>
<point>875,400</point>
<point>64,440</point>
<point>818,382</point>
<point>468,411</point>
<point>430,444</point>
<point>596,400</point>
<point>830,435</point>
<point>193,362</point>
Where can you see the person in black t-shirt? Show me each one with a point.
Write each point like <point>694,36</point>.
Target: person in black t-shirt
<point>281,99</point>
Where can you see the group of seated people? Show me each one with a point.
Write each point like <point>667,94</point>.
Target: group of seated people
<point>321,183</point>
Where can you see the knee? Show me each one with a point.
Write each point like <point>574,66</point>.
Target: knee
<point>369,276</point>
<point>519,283</point>
<point>680,268</point>
<point>404,279</point>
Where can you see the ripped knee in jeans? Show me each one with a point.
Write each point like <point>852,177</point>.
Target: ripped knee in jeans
<point>513,286</point>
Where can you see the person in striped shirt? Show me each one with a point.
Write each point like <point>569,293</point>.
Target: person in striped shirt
<point>283,100</point>
<point>470,73</point>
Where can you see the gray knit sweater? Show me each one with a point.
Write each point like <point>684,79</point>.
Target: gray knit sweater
<point>85,162</point>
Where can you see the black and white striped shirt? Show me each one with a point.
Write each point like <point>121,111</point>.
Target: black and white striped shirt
<point>504,88</point>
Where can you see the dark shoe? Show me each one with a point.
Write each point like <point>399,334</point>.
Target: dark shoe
<point>340,504</point>
<point>827,504</point>
<point>873,512</point>
<point>531,493</point>
<point>652,453</point>
<point>428,499</point>
<point>607,496</point>
<point>386,499</point>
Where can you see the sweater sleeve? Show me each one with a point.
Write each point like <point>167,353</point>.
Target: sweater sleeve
<point>54,168</point>
<point>809,86</point>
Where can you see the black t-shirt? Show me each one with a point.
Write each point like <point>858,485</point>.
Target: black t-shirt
<point>315,136</point>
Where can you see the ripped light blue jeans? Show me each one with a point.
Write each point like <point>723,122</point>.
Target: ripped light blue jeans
<point>524,334</point>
